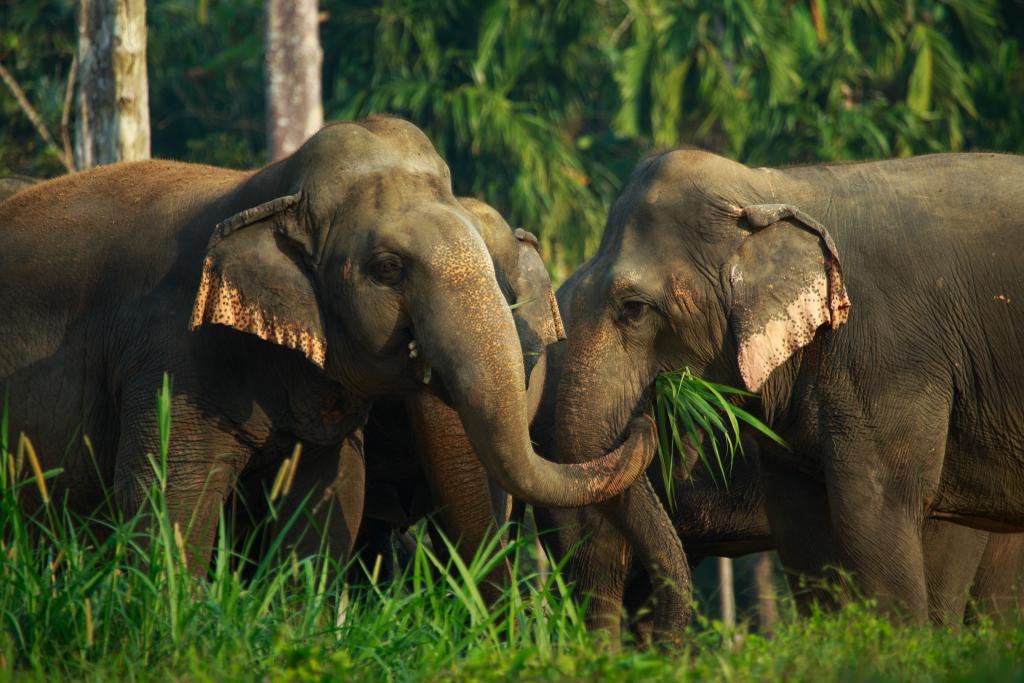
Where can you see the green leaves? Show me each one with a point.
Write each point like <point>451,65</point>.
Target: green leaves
<point>500,88</point>
<point>771,82</point>
<point>543,107</point>
<point>692,413</point>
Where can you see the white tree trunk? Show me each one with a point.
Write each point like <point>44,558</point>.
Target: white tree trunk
<point>293,64</point>
<point>767,607</point>
<point>112,122</point>
<point>727,592</point>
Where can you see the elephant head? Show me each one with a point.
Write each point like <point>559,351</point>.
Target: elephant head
<point>354,252</point>
<point>699,267</point>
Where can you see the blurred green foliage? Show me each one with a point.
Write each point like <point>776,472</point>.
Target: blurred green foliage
<point>542,107</point>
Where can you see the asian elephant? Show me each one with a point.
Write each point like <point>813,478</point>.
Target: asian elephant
<point>281,301</point>
<point>712,519</point>
<point>874,310</point>
<point>418,458</point>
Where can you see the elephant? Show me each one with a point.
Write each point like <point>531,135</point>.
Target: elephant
<point>281,301</point>
<point>873,308</point>
<point>713,518</point>
<point>416,467</point>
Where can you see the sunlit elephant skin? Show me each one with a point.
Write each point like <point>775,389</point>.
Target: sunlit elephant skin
<point>282,301</point>
<point>871,306</point>
<point>418,458</point>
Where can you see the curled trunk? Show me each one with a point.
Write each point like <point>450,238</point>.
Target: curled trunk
<point>482,368</point>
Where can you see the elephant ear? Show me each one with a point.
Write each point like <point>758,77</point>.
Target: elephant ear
<point>787,282</point>
<point>256,279</point>
<point>532,269</point>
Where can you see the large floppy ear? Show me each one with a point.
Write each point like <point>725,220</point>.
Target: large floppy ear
<point>531,266</point>
<point>787,282</point>
<point>256,279</point>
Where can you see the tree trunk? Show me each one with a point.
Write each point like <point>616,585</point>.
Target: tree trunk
<point>293,63</point>
<point>726,592</point>
<point>112,122</point>
<point>767,608</point>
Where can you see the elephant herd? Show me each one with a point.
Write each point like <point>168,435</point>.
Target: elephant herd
<point>411,342</point>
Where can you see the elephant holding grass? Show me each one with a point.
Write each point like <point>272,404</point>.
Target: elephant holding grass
<point>713,518</point>
<point>875,310</point>
<point>282,302</point>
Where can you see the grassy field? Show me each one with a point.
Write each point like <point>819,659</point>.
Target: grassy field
<point>110,600</point>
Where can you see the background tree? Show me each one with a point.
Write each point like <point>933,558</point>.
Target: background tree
<point>293,62</point>
<point>544,107</point>
<point>112,117</point>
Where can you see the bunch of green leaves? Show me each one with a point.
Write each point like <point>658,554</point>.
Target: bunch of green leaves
<point>687,407</point>
<point>772,82</point>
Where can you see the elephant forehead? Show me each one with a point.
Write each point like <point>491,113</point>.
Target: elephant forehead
<point>624,280</point>
<point>376,137</point>
<point>461,258</point>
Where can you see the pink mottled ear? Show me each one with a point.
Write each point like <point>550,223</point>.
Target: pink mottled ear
<point>256,280</point>
<point>786,282</point>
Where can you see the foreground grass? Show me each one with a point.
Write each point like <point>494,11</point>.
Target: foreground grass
<point>76,607</point>
<point>108,600</point>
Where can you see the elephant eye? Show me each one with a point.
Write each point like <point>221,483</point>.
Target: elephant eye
<point>387,269</point>
<point>633,310</point>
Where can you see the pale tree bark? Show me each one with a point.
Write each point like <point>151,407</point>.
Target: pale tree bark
<point>293,60</point>
<point>112,122</point>
<point>727,592</point>
<point>767,605</point>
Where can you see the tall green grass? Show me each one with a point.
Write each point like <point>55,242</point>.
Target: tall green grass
<point>112,599</point>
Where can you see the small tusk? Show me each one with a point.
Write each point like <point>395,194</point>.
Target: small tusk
<point>426,375</point>
<point>413,350</point>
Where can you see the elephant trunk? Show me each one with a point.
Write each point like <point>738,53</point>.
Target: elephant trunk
<point>467,334</point>
<point>598,387</point>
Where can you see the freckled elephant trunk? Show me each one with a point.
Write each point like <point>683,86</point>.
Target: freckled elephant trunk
<point>467,334</point>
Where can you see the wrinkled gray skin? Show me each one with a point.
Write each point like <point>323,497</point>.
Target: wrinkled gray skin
<point>416,467</point>
<point>281,301</point>
<point>910,408</point>
<point>961,563</point>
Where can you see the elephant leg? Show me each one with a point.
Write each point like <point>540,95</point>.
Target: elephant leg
<point>639,615</point>
<point>203,463</point>
<point>878,514</point>
<point>599,568</point>
<point>640,516</point>
<point>326,501</point>
<point>951,557</point>
<point>458,483</point>
<point>801,526</point>
<point>998,590</point>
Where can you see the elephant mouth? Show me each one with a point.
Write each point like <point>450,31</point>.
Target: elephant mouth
<point>421,371</point>
<point>642,410</point>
